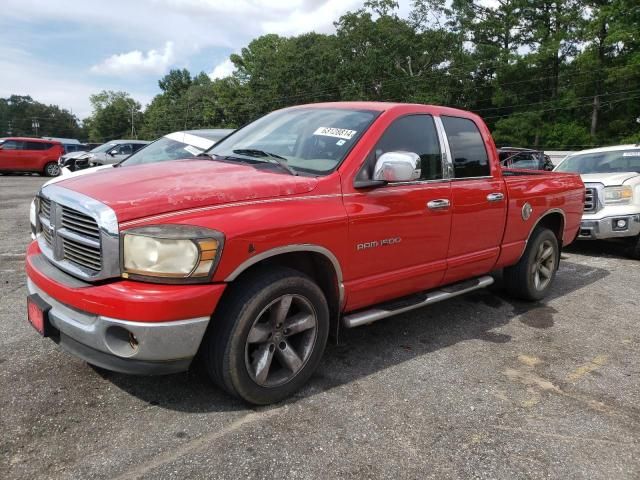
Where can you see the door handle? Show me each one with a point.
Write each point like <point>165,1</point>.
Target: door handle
<point>495,197</point>
<point>439,204</point>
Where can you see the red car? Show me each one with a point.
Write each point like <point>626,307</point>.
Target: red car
<point>24,154</point>
<point>308,220</point>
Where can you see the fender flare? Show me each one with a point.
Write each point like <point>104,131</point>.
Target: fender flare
<point>537,222</point>
<point>305,247</point>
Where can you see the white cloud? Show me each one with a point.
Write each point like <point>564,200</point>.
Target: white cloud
<point>222,70</point>
<point>23,74</point>
<point>137,62</point>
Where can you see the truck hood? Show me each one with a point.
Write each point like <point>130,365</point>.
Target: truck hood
<point>144,190</point>
<point>608,179</point>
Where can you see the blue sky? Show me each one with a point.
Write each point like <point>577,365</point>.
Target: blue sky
<point>60,52</point>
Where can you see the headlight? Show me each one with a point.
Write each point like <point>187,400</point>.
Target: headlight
<point>177,252</point>
<point>618,195</point>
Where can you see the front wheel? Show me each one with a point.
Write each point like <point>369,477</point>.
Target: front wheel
<point>531,278</point>
<point>268,336</point>
<point>52,169</point>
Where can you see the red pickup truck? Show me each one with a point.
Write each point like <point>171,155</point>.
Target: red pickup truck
<point>308,220</point>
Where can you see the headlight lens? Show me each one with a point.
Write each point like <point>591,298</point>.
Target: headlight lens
<point>618,195</point>
<point>171,251</point>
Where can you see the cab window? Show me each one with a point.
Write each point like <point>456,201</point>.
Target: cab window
<point>413,133</point>
<point>467,148</point>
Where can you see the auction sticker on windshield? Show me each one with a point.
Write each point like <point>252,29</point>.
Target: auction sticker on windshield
<point>631,154</point>
<point>335,132</point>
<point>193,150</point>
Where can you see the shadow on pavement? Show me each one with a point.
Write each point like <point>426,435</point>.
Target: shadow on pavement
<point>599,248</point>
<point>366,350</point>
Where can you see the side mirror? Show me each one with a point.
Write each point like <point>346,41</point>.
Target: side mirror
<point>397,167</point>
<point>112,152</point>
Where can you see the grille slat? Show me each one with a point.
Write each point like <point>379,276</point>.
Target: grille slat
<point>81,261</point>
<point>47,237</point>
<point>45,207</point>
<point>80,229</point>
<point>84,256</point>
<point>79,223</point>
<point>590,199</point>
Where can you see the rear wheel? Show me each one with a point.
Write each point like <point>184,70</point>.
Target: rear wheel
<point>268,336</point>
<point>531,278</point>
<point>52,169</point>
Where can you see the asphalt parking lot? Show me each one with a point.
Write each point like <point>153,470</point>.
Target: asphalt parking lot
<point>477,387</point>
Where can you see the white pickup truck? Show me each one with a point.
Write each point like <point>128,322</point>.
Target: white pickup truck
<point>612,203</point>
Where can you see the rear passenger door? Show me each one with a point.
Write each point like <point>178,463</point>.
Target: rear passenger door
<point>479,203</point>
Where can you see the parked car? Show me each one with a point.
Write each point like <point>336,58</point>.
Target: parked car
<point>24,154</point>
<point>106,154</point>
<point>308,220</point>
<point>612,204</point>
<point>69,144</point>
<point>172,146</point>
<point>525,158</point>
<point>177,145</point>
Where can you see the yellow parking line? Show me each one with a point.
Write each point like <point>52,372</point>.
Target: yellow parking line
<point>581,371</point>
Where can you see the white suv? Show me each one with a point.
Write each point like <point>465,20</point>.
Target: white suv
<point>612,181</point>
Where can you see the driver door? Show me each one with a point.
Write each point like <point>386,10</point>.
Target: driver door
<point>399,232</point>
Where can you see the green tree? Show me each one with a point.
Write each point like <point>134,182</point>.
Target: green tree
<point>115,115</point>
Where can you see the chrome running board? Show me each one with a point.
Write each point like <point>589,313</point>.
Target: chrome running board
<point>412,302</point>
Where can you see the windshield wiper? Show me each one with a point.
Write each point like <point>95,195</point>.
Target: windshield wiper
<point>271,157</point>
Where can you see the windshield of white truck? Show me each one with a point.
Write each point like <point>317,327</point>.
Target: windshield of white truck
<point>308,140</point>
<point>619,161</point>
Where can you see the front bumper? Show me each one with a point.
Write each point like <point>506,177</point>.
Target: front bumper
<point>124,326</point>
<point>604,228</point>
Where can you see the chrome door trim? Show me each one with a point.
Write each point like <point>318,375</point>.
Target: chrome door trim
<point>447,158</point>
<point>439,204</point>
<point>495,197</point>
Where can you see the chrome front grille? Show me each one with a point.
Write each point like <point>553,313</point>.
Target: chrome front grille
<point>590,200</point>
<point>87,256</point>
<point>45,208</point>
<point>78,234</point>
<point>79,223</point>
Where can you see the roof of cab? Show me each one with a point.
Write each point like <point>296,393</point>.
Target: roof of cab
<point>386,106</point>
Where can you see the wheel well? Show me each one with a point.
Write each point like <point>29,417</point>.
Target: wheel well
<point>313,264</point>
<point>554,221</point>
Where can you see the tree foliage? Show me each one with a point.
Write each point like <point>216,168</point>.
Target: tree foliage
<point>23,116</point>
<point>542,73</point>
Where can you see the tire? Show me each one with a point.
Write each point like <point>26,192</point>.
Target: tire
<point>268,335</point>
<point>634,248</point>
<point>532,277</point>
<point>52,169</point>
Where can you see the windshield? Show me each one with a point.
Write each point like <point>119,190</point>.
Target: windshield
<point>162,149</point>
<point>313,140</point>
<point>104,147</point>
<point>619,161</point>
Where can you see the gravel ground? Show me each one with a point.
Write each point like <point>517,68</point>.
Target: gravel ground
<point>477,387</point>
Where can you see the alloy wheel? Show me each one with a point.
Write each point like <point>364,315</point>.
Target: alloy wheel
<point>543,266</point>
<point>281,340</point>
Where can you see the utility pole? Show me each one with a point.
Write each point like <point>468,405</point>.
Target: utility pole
<point>132,128</point>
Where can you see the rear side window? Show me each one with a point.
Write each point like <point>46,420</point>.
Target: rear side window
<point>12,145</point>
<point>413,133</point>
<point>467,147</point>
<point>37,146</point>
